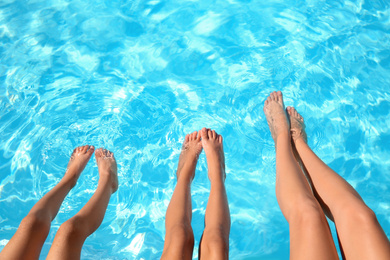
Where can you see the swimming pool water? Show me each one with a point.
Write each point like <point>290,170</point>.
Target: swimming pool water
<point>136,76</point>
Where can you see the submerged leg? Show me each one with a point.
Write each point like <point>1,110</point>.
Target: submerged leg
<point>215,240</point>
<point>70,237</point>
<point>360,234</point>
<point>310,237</point>
<point>34,228</point>
<point>179,237</point>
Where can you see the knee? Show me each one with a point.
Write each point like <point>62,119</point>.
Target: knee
<point>215,244</point>
<point>307,211</point>
<point>182,234</point>
<point>359,215</point>
<point>36,222</point>
<point>72,229</point>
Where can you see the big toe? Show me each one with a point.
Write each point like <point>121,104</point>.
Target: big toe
<point>204,133</point>
<point>99,153</point>
<point>91,150</point>
<point>279,97</point>
<point>289,110</point>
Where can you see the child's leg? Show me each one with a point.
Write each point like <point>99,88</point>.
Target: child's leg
<point>34,228</point>
<point>70,237</point>
<point>179,238</point>
<point>360,234</point>
<point>215,240</point>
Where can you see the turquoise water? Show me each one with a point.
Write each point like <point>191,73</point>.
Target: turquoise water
<point>136,76</point>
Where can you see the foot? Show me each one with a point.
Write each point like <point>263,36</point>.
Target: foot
<point>297,128</point>
<point>212,145</point>
<point>107,168</point>
<point>192,147</point>
<point>276,115</point>
<point>78,161</point>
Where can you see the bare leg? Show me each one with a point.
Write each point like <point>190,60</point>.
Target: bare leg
<point>215,239</point>
<point>360,234</point>
<point>70,237</point>
<point>179,237</point>
<point>310,237</point>
<point>34,228</point>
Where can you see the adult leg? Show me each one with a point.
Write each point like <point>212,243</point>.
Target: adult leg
<point>360,234</point>
<point>215,239</point>
<point>34,228</point>
<point>179,237</point>
<point>310,237</point>
<point>70,237</point>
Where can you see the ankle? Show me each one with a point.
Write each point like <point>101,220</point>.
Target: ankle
<point>283,136</point>
<point>217,183</point>
<point>218,177</point>
<point>185,175</point>
<point>70,181</point>
<point>299,142</point>
<point>283,139</point>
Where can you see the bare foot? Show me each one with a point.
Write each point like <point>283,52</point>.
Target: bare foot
<point>276,115</point>
<point>192,147</point>
<point>107,167</point>
<point>213,147</point>
<point>78,161</point>
<point>297,128</point>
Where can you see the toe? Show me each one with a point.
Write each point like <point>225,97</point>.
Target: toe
<point>198,136</point>
<point>214,134</point>
<point>288,110</point>
<point>84,148</point>
<point>296,113</point>
<point>91,150</point>
<point>194,135</point>
<point>98,152</point>
<point>187,138</point>
<point>209,133</point>
<point>204,133</point>
<point>293,110</point>
<point>279,96</point>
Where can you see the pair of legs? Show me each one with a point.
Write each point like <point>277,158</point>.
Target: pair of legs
<point>34,228</point>
<point>304,204</point>
<point>179,237</point>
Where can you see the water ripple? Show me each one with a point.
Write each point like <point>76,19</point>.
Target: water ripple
<point>136,76</point>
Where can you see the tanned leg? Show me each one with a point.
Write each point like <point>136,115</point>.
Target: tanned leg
<point>34,228</point>
<point>179,237</point>
<point>70,237</point>
<point>310,237</point>
<point>359,232</point>
<point>215,240</point>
